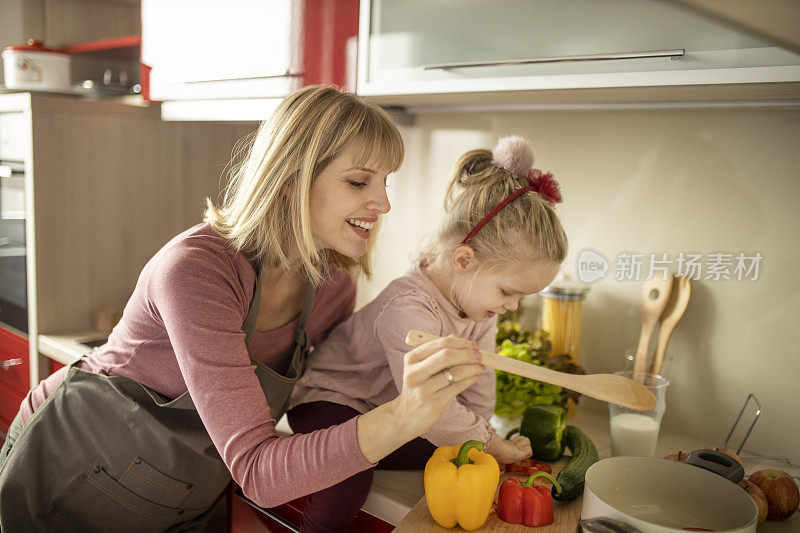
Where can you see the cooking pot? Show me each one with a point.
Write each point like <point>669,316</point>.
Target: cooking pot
<point>660,496</point>
<point>33,66</point>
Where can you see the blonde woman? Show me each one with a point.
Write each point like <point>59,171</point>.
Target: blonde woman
<point>144,433</point>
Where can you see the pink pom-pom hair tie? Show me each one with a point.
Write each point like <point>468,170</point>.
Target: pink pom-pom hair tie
<point>515,155</point>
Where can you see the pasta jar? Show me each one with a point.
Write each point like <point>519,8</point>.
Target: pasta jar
<point>562,317</point>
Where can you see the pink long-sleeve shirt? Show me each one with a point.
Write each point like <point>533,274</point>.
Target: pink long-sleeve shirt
<point>182,330</point>
<point>361,362</point>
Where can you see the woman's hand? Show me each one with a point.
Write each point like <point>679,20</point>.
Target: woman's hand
<point>433,374</point>
<point>509,451</point>
<point>427,389</point>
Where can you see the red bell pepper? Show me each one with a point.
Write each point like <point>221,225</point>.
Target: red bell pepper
<point>527,504</point>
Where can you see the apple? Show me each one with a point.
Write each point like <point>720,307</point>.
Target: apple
<point>780,490</point>
<point>760,499</point>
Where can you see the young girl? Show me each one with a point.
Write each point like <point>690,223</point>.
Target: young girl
<point>500,240</point>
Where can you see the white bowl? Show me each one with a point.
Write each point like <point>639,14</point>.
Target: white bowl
<point>660,496</point>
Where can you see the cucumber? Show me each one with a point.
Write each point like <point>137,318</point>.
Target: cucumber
<point>572,476</point>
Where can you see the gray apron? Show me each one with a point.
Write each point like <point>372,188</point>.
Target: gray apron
<point>105,453</point>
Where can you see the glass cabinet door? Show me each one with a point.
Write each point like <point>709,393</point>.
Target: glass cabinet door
<point>426,46</point>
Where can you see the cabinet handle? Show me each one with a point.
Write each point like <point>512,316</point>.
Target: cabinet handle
<point>11,362</point>
<point>7,171</point>
<point>255,77</point>
<point>673,54</point>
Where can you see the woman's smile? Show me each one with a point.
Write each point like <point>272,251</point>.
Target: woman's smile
<point>361,226</point>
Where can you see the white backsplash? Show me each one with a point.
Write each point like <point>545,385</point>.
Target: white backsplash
<point>653,181</point>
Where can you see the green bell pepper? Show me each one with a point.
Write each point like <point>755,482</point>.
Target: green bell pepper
<point>544,425</point>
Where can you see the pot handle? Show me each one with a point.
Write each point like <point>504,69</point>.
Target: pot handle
<point>717,462</point>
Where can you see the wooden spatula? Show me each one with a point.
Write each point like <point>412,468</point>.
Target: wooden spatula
<point>655,295</point>
<point>678,300</point>
<point>605,387</point>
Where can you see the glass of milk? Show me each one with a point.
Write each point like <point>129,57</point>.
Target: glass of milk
<point>636,432</point>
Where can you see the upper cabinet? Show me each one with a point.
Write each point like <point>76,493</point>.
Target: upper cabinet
<point>481,51</point>
<point>235,49</point>
<point>236,59</point>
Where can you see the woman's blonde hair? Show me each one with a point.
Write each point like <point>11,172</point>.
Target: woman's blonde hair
<point>265,212</point>
<point>526,230</point>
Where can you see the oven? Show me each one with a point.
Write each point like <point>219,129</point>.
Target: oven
<point>13,270</point>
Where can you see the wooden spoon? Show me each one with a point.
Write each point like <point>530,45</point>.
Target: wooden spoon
<point>655,294</point>
<point>678,300</point>
<point>606,387</point>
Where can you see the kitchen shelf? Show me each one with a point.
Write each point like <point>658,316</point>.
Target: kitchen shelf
<point>126,47</point>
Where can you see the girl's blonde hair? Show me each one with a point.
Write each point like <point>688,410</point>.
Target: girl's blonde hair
<point>265,212</point>
<point>526,230</point>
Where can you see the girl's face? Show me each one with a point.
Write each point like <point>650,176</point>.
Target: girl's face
<point>491,293</point>
<point>346,200</point>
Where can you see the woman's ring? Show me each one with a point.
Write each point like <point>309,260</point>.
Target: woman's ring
<point>448,376</point>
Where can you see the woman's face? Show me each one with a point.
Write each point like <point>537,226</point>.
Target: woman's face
<point>346,200</point>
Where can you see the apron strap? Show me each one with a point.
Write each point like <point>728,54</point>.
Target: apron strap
<point>249,324</point>
<point>300,335</point>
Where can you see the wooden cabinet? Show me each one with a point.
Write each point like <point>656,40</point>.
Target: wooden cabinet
<point>475,47</point>
<point>105,186</point>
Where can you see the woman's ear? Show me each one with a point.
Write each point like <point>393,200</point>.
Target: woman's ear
<point>463,259</point>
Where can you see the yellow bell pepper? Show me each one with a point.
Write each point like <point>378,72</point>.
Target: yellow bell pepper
<point>460,483</point>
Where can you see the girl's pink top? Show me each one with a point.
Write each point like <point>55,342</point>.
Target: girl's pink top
<point>361,362</point>
<point>182,330</point>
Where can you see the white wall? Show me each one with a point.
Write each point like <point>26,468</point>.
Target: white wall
<point>654,181</point>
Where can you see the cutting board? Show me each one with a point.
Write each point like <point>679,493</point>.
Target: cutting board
<point>567,514</point>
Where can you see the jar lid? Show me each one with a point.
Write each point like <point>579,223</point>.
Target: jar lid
<point>565,290</point>
<point>33,46</point>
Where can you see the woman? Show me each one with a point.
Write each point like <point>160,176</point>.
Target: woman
<point>145,433</point>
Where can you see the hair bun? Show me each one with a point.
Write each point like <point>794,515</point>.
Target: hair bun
<point>513,154</point>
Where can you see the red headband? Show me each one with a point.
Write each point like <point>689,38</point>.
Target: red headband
<point>544,184</point>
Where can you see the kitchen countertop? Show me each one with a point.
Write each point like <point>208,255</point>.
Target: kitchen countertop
<point>395,492</point>
<point>596,426</point>
<point>67,349</point>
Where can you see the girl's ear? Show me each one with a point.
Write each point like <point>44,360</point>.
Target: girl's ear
<point>463,259</point>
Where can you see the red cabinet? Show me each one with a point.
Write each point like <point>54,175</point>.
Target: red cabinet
<point>14,375</point>
<point>54,366</point>
<point>244,518</point>
<point>9,405</point>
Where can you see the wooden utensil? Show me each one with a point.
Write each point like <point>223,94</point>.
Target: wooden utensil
<point>678,300</point>
<point>605,387</point>
<point>655,295</point>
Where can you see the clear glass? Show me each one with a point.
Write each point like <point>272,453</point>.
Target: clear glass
<point>635,433</point>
